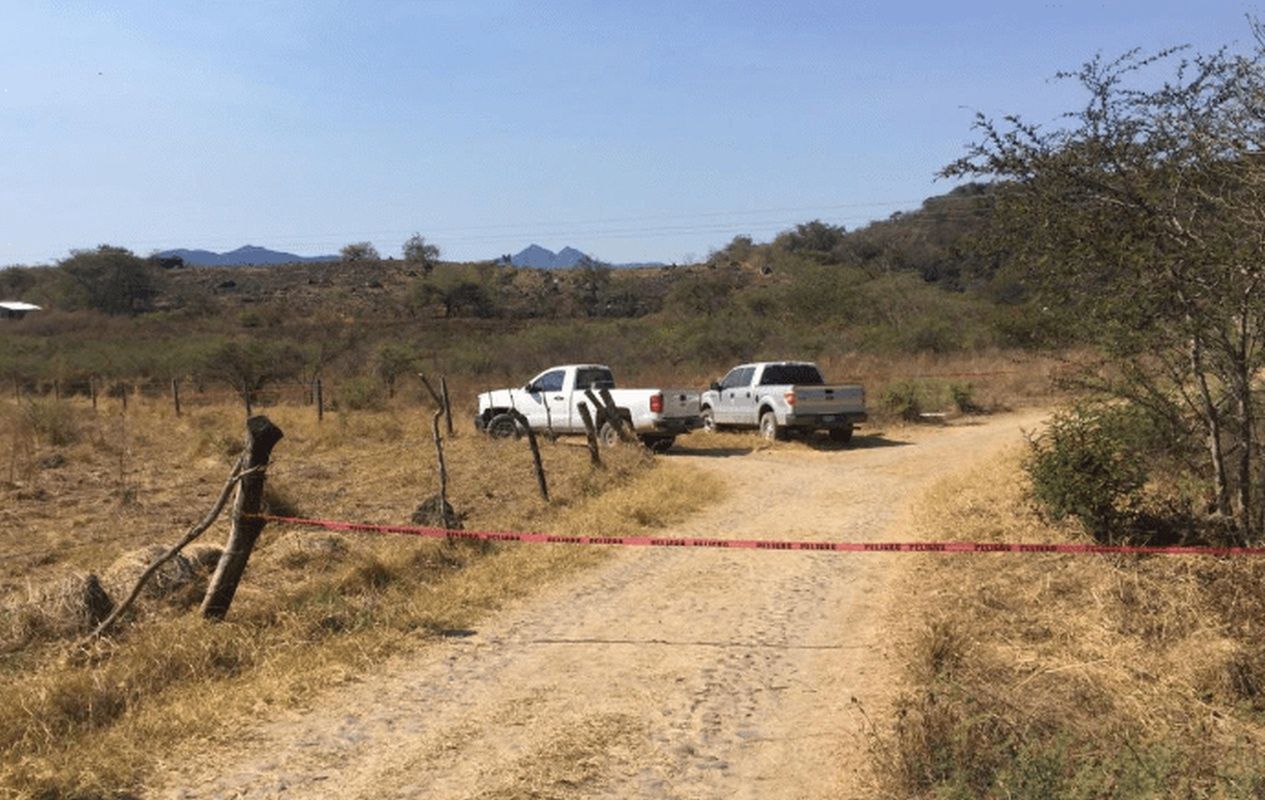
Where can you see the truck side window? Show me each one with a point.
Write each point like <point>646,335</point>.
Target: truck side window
<point>732,379</point>
<point>594,379</point>
<point>550,381</point>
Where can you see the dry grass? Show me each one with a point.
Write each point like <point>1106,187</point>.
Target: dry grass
<point>1072,676</point>
<point>314,609</point>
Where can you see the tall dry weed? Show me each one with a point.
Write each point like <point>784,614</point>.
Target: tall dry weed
<point>1071,676</point>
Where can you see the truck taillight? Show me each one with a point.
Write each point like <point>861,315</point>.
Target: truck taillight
<point>790,398</point>
<point>656,403</point>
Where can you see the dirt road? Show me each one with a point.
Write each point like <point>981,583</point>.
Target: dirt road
<point>661,673</point>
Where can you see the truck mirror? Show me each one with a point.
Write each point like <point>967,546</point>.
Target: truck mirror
<point>529,388</point>
<point>715,387</point>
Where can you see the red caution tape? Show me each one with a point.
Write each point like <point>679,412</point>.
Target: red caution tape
<point>765,544</point>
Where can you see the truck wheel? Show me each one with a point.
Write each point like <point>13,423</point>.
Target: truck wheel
<point>709,420</point>
<point>841,435</point>
<point>502,426</point>
<point>607,435</point>
<point>769,428</point>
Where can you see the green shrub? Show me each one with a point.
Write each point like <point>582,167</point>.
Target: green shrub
<point>1087,465</point>
<point>904,399</point>
<point>362,394</point>
<point>52,422</point>
<point>963,395</point>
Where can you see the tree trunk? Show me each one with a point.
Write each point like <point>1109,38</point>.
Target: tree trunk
<point>1212,420</point>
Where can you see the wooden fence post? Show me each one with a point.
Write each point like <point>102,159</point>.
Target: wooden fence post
<point>175,395</point>
<point>616,419</point>
<point>443,390</point>
<point>246,397</point>
<point>261,437</point>
<point>123,392</point>
<point>590,431</point>
<point>439,450</point>
<point>320,402</point>
<point>92,390</point>
<point>56,389</point>
<point>541,483</point>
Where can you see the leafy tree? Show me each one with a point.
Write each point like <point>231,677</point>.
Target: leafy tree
<point>592,280</point>
<point>815,236</point>
<point>247,367</point>
<point>460,290</point>
<point>1138,221</point>
<point>420,253</point>
<point>395,360</point>
<point>110,279</point>
<point>357,252</point>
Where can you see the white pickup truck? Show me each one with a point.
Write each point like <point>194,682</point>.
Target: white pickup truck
<point>781,396</point>
<point>550,402</point>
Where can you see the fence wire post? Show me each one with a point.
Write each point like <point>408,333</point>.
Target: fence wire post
<point>590,431</point>
<point>541,483</point>
<point>261,437</point>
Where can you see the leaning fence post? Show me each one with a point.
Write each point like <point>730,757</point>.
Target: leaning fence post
<point>175,395</point>
<point>261,437</point>
<point>535,453</point>
<point>590,431</point>
<point>246,397</point>
<point>616,419</point>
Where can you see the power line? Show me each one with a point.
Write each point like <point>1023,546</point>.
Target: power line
<point>478,234</point>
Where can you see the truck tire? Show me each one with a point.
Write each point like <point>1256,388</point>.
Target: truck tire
<point>769,428</point>
<point>607,435</point>
<point>709,420</point>
<point>503,426</point>
<point>840,435</point>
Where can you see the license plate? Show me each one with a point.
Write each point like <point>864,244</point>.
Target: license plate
<point>829,418</point>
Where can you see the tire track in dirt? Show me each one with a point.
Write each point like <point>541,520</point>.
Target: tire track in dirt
<point>661,673</point>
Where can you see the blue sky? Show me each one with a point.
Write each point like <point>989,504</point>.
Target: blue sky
<point>633,131</point>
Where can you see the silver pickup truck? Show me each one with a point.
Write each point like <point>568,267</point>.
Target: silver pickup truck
<point>550,402</point>
<point>783,396</point>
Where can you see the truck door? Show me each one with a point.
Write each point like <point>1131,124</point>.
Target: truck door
<point>545,399</point>
<point>744,398</point>
<point>734,395</point>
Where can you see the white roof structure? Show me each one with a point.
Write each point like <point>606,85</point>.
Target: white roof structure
<point>14,305</point>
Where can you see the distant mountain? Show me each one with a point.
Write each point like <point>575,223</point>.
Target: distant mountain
<point>242,256</point>
<point>537,257</point>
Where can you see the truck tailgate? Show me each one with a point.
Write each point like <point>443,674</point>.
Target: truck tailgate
<point>681,402</point>
<point>828,399</point>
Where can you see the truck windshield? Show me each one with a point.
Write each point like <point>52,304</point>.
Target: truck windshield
<point>783,374</point>
<point>593,378</point>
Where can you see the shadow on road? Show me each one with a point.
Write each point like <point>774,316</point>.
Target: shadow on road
<point>819,444</point>
<point>695,643</point>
